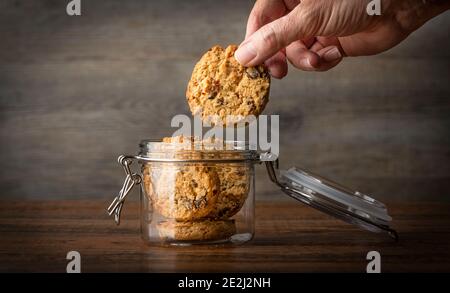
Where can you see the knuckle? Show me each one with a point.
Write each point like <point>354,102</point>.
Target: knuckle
<point>268,36</point>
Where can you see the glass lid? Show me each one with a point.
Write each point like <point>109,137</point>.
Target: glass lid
<point>333,199</point>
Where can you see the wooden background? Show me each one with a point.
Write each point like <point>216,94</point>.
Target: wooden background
<point>75,92</point>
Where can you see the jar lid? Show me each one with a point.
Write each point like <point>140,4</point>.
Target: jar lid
<point>333,199</point>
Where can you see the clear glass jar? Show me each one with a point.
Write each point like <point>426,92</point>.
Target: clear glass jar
<point>200,192</point>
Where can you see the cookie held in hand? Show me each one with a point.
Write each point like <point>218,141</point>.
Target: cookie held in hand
<point>223,92</point>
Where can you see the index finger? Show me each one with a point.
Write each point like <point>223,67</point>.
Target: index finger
<point>263,12</point>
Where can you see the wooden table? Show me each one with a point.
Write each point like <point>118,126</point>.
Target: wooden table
<point>36,236</point>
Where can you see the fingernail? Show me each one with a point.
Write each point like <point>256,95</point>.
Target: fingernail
<point>332,55</point>
<point>245,53</point>
<point>306,63</point>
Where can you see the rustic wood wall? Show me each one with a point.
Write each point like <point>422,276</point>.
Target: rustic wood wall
<point>77,91</point>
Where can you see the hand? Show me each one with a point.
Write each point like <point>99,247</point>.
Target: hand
<point>314,35</point>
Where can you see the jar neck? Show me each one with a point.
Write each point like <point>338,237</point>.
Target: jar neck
<point>196,150</point>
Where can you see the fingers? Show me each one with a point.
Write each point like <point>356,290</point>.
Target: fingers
<point>263,12</point>
<point>277,65</point>
<point>269,33</point>
<point>301,57</point>
<point>291,4</point>
<point>316,58</point>
<point>329,54</point>
<point>329,58</point>
<point>267,41</point>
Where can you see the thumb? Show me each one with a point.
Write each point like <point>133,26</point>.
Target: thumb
<point>268,40</point>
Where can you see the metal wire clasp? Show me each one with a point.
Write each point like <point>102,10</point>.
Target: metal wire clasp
<point>131,180</point>
<point>272,167</point>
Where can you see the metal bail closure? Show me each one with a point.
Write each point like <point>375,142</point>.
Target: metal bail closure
<point>333,199</point>
<point>131,180</point>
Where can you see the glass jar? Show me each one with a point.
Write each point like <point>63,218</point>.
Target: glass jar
<point>203,192</point>
<point>194,192</point>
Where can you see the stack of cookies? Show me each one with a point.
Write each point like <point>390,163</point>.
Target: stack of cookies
<point>196,201</point>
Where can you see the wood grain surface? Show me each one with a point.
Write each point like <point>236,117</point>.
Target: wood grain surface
<point>76,92</point>
<point>36,236</point>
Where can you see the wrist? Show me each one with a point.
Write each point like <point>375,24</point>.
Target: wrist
<point>412,14</point>
<point>432,8</point>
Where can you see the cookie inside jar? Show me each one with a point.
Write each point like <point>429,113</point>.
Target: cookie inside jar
<point>192,197</point>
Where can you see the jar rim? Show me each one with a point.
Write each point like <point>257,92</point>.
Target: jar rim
<point>198,151</point>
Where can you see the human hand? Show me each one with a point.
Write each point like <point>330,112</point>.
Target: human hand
<point>314,35</point>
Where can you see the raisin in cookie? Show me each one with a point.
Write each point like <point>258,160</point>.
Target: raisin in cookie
<point>196,231</point>
<point>183,193</point>
<point>221,87</point>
